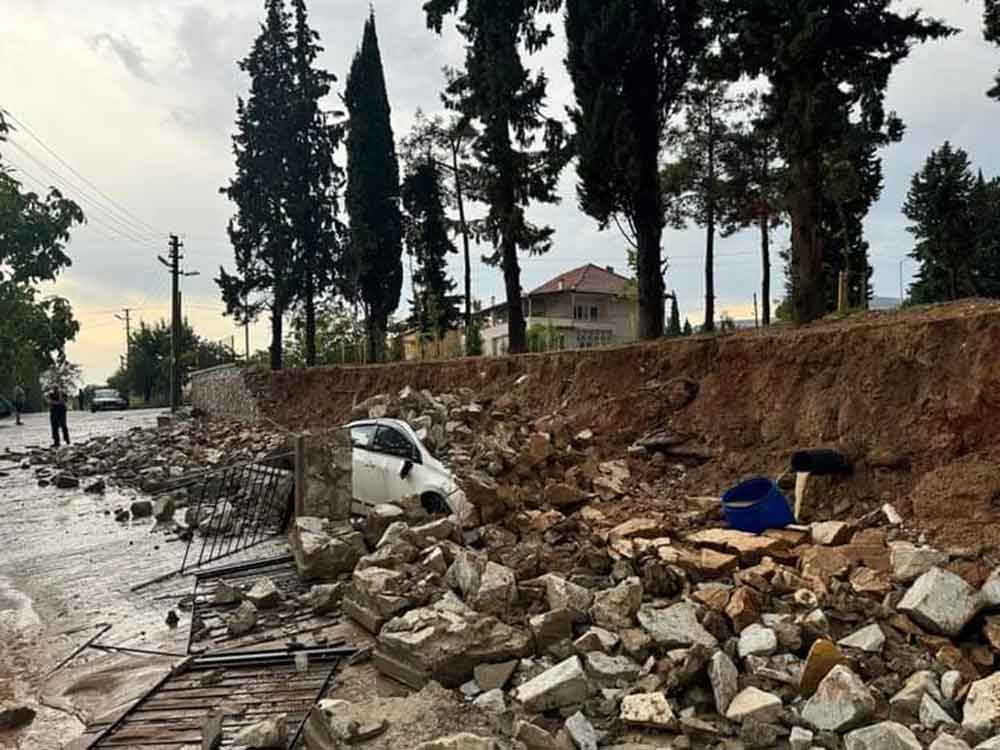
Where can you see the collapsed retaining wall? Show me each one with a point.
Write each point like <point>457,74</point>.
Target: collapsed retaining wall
<point>912,396</point>
<point>222,392</point>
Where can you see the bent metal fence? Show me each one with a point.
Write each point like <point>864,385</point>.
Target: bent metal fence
<point>237,507</point>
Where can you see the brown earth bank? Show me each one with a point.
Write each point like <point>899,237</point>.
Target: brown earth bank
<point>912,397</point>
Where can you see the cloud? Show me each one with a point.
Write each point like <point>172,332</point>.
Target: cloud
<point>128,52</point>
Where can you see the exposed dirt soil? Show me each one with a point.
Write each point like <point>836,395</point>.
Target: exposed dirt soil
<point>913,398</point>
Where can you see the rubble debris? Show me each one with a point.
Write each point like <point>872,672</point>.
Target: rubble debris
<point>581,732</point>
<point>841,702</point>
<point>909,561</point>
<point>321,555</point>
<point>211,731</point>
<point>870,639</point>
<point>264,594</point>
<point>326,597</point>
<point>533,737</point>
<point>982,706</point>
<point>757,640</point>
<point>822,658</point>
<point>243,620</point>
<point>564,684</point>
<point>616,608</point>
<point>753,703</point>
<point>464,741</point>
<point>676,626</point>
<point>724,678</point>
<point>648,710</point>
<point>887,735</point>
<point>494,676</point>
<point>269,733</point>
<point>941,602</point>
<point>561,594</point>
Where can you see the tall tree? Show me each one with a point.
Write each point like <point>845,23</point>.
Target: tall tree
<point>939,205</point>
<point>991,31</point>
<point>828,64</point>
<point>703,141</point>
<point>435,306</point>
<point>315,180</point>
<point>674,324</point>
<point>497,92</point>
<point>261,232</point>
<point>754,189</point>
<point>629,61</point>
<point>447,142</point>
<point>373,191</point>
<point>985,207</point>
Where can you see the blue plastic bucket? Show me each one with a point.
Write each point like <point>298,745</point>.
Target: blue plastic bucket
<point>756,505</point>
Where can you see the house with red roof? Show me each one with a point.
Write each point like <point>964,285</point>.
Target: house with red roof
<point>587,307</point>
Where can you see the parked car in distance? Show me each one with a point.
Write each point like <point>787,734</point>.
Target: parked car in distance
<point>108,399</point>
<point>6,408</point>
<point>390,463</point>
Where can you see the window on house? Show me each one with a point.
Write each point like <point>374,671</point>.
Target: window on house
<point>578,312</point>
<point>593,312</point>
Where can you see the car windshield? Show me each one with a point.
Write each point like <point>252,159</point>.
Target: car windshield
<point>106,393</point>
<point>361,435</point>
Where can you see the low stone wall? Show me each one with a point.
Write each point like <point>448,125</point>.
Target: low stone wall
<point>222,392</point>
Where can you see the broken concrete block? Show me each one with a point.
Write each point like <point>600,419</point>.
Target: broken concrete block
<point>551,627</point>
<point>757,640</point>
<point>753,703</point>
<point>724,678</point>
<point>616,607</point>
<point>444,642</point>
<point>904,706</point>
<point>264,594</point>
<point>981,712</point>
<point>497,590</point>
<point>940,601</point>
<point>534,737</point>
<point>932,715</point>
<point>870,639</point>
<point>494,676</point>
<point>648,710</point>
<point>492,701</point>
<point>581,731</point>
<point>800,739</point>
<point>270,733</point>
<point>830,533</point>
<point>243,620</point>
<point>611,671</point>
<point>561,594</point>
<point>743,608</point>
<point>325,597</point>
<point>885,736</point>
<point>225,593</point>
<point>320,556</point>
<point>909,561</point>
<point>561,685</point>
<point>841,702</point>
<point>379,518</point>
<point>596,639</point>
<point>676,626</point>
<point>463,741</point>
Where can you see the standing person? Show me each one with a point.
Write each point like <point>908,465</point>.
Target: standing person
<point>80,400</point>
<point>57,415</point>
<point>19,397</point>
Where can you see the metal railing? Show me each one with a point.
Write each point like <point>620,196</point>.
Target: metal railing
<point>237,507</point>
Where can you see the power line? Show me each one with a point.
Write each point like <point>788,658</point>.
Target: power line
<point>112,201</point>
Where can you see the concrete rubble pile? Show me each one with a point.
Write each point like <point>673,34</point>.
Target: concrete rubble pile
<point>571,632</point>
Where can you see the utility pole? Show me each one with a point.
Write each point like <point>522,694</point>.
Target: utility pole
<point>128,332</point>
<point>174,266</point>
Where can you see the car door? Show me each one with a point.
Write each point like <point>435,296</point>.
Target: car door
<point>367,484</point>
<point>393,449</point>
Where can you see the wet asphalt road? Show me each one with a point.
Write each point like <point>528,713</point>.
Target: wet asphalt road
<point>65,567</point>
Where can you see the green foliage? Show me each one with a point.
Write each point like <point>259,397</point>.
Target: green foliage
<point>498,94</point>
<point>629,61</point>
<point>376,270</point>
<point>828,65</point>
<point>34,330</point>
<point>474,337</point>
<point>544,338</point>
<point>688,331</point>
<point>435,306</point>
<point>991,31</point>
<point>340,337</point>
<point>783,312</point>
<point>956,223</point>
<point>674,324</point>
<point>726,323</point>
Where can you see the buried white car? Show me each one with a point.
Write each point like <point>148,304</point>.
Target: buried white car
<point>390,463</point>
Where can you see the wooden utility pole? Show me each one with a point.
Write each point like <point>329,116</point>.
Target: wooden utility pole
<point>174,266</point>
<point>125,317</point>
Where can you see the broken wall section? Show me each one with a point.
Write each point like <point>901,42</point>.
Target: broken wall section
<point>222,392</point>
<point>324,475</point>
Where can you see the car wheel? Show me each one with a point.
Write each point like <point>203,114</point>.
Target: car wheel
<point>434,504</point>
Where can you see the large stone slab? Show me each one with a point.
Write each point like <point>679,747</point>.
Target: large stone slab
<point>322,555</point>
<point>940,601</point>
<point>676,626</point>
<point>565,684</point>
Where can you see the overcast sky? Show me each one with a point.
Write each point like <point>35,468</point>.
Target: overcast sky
<point>138,97</point>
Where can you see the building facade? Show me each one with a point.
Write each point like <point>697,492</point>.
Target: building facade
<point>580,309</point>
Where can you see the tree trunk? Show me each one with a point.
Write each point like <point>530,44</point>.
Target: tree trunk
<point>276,332</point>
<point>465,238</point>
<point>710,238</point>
<point>648,222</point>
<point>808,298</point>
<point>310,310</point>
<point>765,278</point>
<point>516,334</point>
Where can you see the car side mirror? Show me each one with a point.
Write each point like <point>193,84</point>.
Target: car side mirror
<point>407,468</point>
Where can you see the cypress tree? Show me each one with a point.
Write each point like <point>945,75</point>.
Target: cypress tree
<point>629,61</point>
<point>261,233</point>
<point>496,91</point>
<point>375,270</point>
<point>316,180</point>
<point>674,326</point>
<point>435,306</point>
<point>828,65</point>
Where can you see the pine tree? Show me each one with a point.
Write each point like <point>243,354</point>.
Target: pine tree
<point>688,331</point>
<point>939,203</point>
<point>991,31</point>
<point>316,180</point>
<point>505,100</point>
<point>261,234</point>
<point>828,65</point>
<point>435,306</point>
<point>985,207</point>
<point>629,61</point>
<point>674,326</point>
<point>375,271</point>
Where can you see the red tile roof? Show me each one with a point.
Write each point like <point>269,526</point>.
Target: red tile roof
<point>590,279</point>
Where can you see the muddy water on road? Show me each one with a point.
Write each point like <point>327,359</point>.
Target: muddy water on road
<point>66,567</point>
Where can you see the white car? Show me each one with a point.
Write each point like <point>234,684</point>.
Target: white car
<point>390,463</point>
